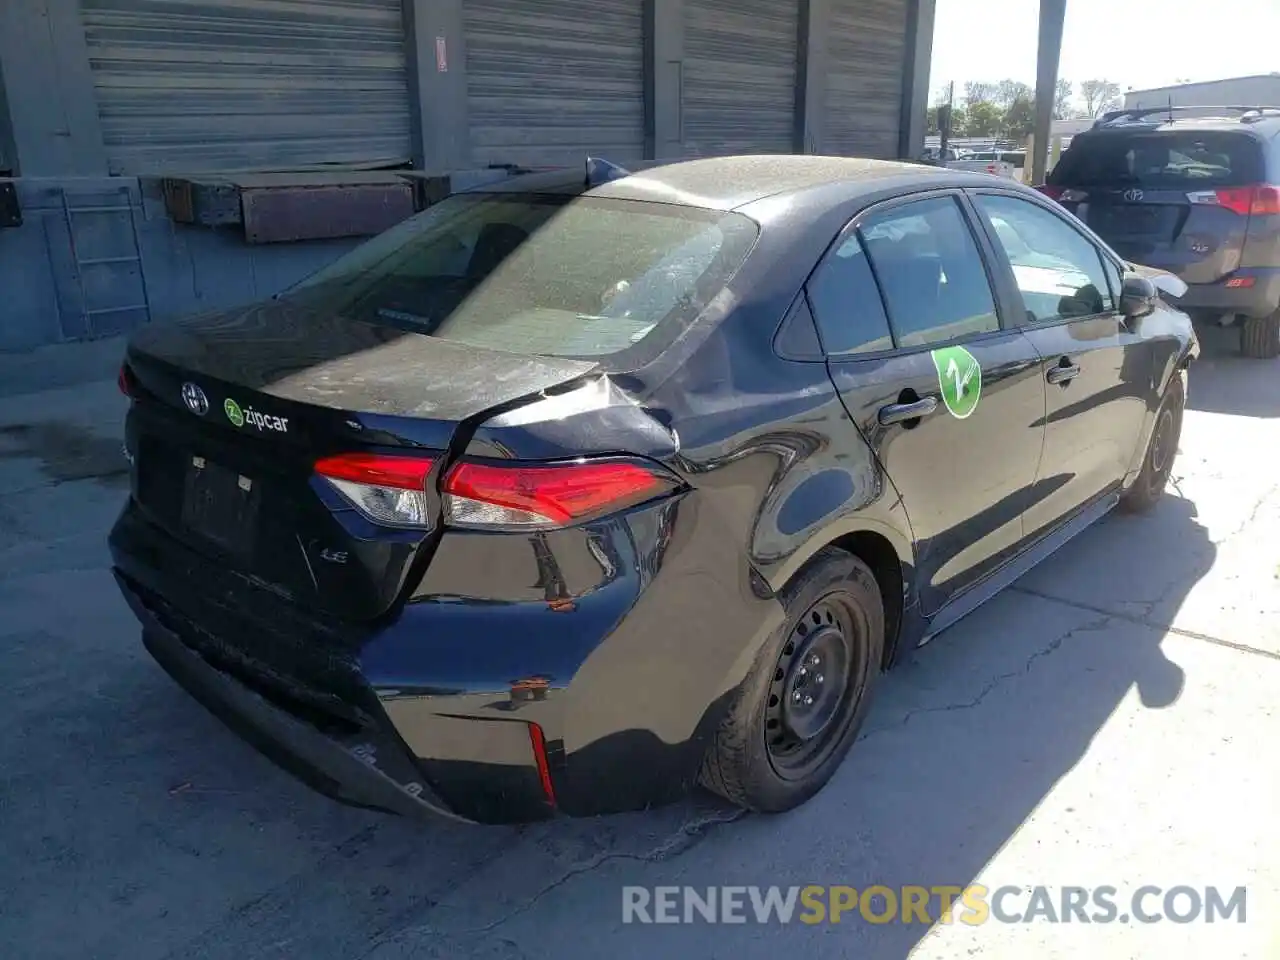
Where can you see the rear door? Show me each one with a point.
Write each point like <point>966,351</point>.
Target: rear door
<point>1173,199</point>
<point>1097,368</point>
<point>952,402</point>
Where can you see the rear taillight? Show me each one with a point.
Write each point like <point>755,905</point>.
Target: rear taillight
<point>124,380</point>
<point>389,490</point>
<point>494,495</point>
<point>1260,199</point>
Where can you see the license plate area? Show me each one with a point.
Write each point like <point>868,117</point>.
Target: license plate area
<point>1131,220</point>
<point>220,505</point>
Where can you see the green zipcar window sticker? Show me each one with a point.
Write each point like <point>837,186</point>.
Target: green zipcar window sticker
<point>233,412</point>
<point>959,380</point>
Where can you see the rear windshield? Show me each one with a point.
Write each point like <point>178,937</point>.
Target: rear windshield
<point>1169,159</point>
<point>537,274</point>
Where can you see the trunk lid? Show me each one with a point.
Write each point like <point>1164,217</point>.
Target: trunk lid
<point>232,411</point>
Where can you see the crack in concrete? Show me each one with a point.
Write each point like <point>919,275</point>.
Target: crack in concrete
<point>688,836</point>
<point>995,682</point>
<point>1253,516</point>
<point>359,838</point>
<point>1162,627</point>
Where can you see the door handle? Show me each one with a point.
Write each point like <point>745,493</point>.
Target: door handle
<point>1063,374</point>
<point>898,412</point>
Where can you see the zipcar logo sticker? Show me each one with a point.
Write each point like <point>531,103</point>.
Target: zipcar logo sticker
<point>259,421</point>
<point>959,380</point>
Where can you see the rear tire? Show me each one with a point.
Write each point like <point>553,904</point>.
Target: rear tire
<point>1162,449</point>
<point>800,708</point>
<point>1260,337</point>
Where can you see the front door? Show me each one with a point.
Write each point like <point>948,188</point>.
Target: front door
<point>953,404</point>
<point>1097,370</point>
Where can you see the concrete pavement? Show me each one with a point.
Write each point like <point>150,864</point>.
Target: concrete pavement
<point>1110,720</point>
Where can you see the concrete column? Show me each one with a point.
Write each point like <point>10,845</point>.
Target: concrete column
<point>436,56</point>
<point>811,75</point>
<point>664,79</point>
<point>915,91</point>
<point>1053,15</point>
<point>54,128</point>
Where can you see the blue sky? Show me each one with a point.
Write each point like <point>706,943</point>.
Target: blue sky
<point>1136,43</point>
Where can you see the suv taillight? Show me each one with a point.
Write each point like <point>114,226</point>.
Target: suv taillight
<point>1261,199</point>
<point>532,496</point>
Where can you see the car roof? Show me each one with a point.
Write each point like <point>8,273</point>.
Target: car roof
<point>1264,127</point>
<point>727,183</point>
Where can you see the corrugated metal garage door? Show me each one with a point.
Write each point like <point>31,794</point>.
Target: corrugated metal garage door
<point>740,76</point>
<point>194,85</point>
<point>866,57</point>
<point>549,81</point>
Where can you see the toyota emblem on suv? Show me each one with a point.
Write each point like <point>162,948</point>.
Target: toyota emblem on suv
<point>1133,196</point>
<point>195,399</point>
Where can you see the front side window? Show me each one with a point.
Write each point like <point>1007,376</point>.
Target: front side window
<point>930,271</point>
<point>1058,270</point>
<point>537,274</point>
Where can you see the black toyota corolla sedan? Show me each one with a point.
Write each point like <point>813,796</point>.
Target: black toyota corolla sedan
<point>567,495</point>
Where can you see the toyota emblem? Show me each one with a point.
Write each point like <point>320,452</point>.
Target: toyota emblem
<point>195,399</point>
<point>1133,196</point>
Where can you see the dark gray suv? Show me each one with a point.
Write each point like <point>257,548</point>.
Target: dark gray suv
<point>1196,196</point>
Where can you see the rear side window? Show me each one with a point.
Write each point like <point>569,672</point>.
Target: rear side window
<point>534,274</point>
<point>1166,159</point>
<point>930,271</point>
<point>846,303</point>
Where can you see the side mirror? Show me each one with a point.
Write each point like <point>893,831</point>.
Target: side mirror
<point>1138,297</point>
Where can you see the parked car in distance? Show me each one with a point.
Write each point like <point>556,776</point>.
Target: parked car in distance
<point>1198,196</point>
<point>574,491</point>
<point>934,154</point>
<point>986,161</point>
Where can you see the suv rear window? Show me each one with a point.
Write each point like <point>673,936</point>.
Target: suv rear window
<point>1165,159</point>
<point>537,274</point>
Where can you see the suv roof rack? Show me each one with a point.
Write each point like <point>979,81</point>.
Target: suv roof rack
<point>1246,114</point>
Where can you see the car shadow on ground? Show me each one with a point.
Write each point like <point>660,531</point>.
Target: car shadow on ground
<point>1224,381</point>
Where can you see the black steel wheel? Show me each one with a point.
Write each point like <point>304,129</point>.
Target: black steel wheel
<point>799,710</point>
<point>814,688</point>
<point>1162,449</point>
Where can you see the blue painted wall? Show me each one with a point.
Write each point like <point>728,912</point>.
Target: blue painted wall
<point>181,269</point>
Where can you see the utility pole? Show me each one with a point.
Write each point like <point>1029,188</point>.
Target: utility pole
<point>944,123</point>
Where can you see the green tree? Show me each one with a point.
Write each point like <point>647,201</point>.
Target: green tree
<point>1099,96</point>
<point>1009,92</point>
<point>1063,108</point>
<point>1020,118</point>
<point>983,119</point>
<point>976,91</point>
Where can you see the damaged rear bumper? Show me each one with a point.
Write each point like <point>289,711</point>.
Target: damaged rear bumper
<point>367,768</point>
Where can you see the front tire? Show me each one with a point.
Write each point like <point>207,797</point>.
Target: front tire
<point>1260,337</point>
<point>1162,449</point>
<point>800,708</point>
